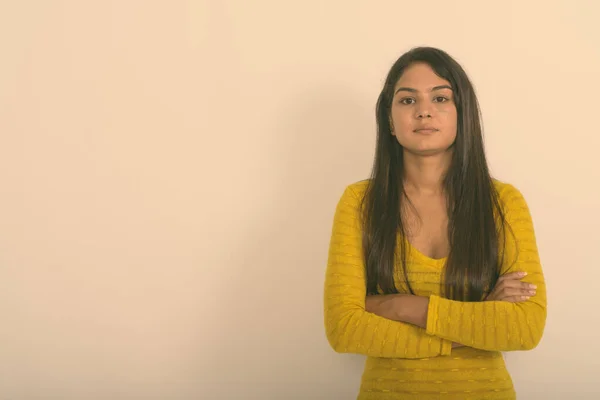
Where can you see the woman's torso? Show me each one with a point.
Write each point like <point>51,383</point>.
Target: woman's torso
<point>467,373</point>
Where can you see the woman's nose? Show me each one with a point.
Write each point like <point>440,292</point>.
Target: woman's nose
<point>423,113</point>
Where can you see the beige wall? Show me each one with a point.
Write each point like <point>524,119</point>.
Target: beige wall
<point>169,172</point>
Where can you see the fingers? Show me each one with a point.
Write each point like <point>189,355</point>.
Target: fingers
<point>514,288</point>
<point>512,275</point>
<point>526,288</point>
<point>513,280</point>
<point>515,291</point>
<point>510,288</point>
<point>515,299</point>
<point>512,296</point>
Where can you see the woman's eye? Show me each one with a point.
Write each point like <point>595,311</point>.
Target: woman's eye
<point>440,99</point>
<point>408,100</point>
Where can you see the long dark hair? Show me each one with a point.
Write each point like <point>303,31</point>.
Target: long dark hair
<point>476,223</point>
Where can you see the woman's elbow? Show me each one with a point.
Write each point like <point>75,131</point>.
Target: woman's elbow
<point>532,334</point>
<point>533,329</point>
<point>535,337</point>
<point>337,331</point>
<point>337,340</point>
<point>531,344</point>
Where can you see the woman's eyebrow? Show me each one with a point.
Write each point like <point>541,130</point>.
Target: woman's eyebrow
<point>409,89</point>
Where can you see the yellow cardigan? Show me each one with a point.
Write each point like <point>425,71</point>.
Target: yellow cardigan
<point>407,362</point>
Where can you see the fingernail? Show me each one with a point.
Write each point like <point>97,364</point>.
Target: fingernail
<point>523,273</point>
<point>532,286</point>
<point>532,292</point>
<point>525,297</point>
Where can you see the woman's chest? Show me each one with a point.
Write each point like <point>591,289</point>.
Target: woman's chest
<point>427,228</point>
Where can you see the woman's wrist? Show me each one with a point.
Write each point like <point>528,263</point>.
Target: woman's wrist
<point>412,309</point>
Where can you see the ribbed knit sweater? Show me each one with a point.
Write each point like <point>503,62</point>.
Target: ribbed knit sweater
<point>407,362</point>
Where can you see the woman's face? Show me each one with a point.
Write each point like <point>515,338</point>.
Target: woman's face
<point>423,112</point>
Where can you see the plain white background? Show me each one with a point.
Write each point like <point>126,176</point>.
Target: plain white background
<point>169,172</point>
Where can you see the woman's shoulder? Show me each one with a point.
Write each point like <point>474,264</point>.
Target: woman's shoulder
<point>358,188</point>
<point>354,192</point>
<point>509,194</point>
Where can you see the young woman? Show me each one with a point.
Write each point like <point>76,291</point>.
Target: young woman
<point>433,265</point>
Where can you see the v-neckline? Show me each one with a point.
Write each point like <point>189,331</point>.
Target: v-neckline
<point>438,262</point>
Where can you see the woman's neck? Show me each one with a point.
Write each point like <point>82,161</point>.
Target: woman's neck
<point>425,175</point>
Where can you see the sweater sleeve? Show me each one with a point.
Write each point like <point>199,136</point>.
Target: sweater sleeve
<point>499,325</point>
<point>349,328</point>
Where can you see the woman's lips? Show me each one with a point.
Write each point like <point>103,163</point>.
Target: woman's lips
<point>426,130</point>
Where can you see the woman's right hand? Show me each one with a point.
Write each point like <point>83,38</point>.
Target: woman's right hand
<point>510,288</point>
